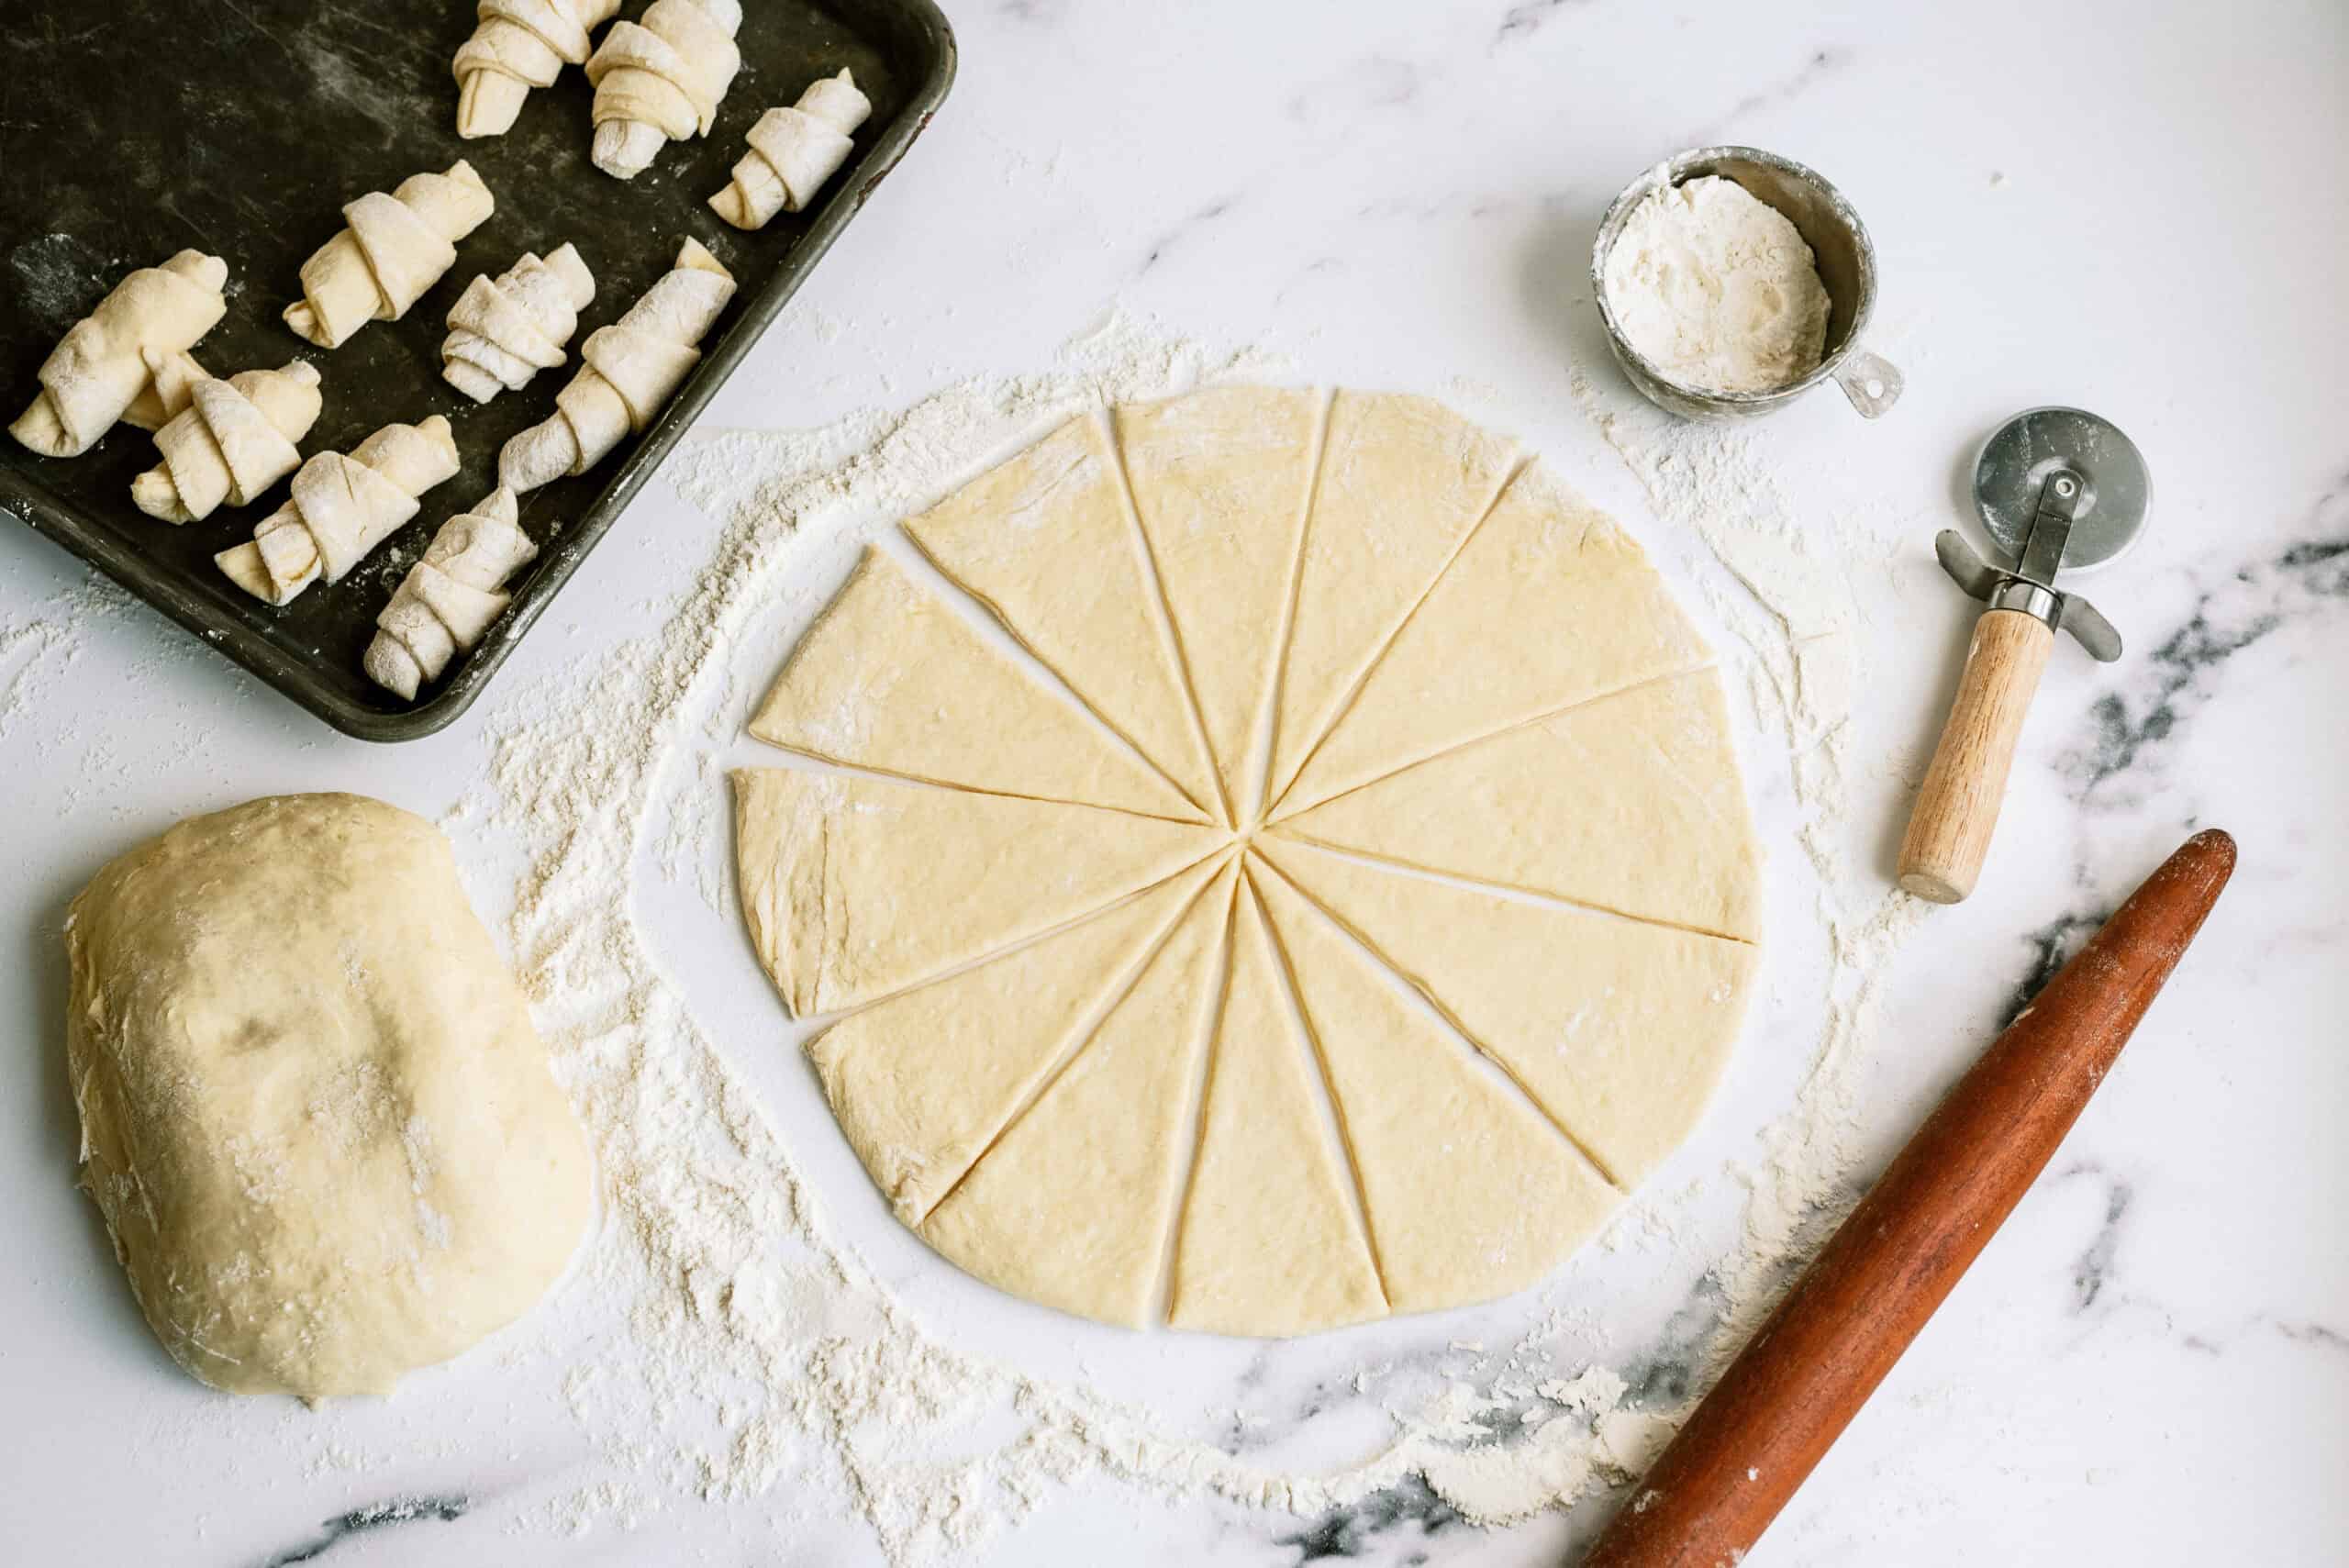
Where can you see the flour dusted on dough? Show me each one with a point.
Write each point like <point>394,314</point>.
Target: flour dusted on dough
<point>1716,289</point>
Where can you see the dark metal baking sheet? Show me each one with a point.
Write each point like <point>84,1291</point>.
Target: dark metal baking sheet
<point>132,129</point>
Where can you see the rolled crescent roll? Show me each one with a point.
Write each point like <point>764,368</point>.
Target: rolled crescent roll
<point>503,331</point>
<point>630,369</point>
<point>659,80</point>
<point>792,151</point>
<point>450,598</point>
<point>106,360</point>
<point>235,439</point>
<point>394,247</point>
<point>343,506</point>
<point>518,44</point>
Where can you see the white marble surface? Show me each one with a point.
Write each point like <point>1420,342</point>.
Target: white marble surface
<point>2138,208</point>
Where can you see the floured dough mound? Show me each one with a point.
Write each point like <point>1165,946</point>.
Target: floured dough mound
<point>1150,1008</point>
<point>314,1112</point>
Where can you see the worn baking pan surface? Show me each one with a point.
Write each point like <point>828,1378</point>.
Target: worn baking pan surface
<point>132,129</point>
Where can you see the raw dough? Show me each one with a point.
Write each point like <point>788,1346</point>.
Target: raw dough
<point>1632,803</point>
<point>108,359</point>
<point>1045,542</point>
<point>792,151</point>
<point>392,248</point>
<point>631,368</point>
<point>1616,1028</point>
<point>856,887</point>
<point>518,45</point>
<point>1401,482</point>
<point>1472,1193</point>
<point>925,1080</point>
<point>891,679</point>
<point>1271,1240</point>
<point>1547,605</point>
<point>1509,695</point>
<point>660,81</point>
<point>1073,1203</point>
<point>449,599</point>
<point>235,439</point>
<point>503,331</point>
<point>314,1112</point>
<point>343,506</point>
<point>1219,481</point>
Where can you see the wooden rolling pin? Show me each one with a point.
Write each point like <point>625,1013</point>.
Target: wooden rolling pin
<point>1774,1414</point>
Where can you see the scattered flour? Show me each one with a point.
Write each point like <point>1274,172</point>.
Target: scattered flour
<point>1717,290</point>
<point>760,1362</point>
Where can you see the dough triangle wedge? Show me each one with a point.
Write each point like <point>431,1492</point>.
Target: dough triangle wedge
<point>1045,542</point>
<point>890,678</point>
<point>1472,1193</point>
<point>854,888</point>
<point>1221,479</point>
<point>1271,1244</point>
<point>1071,1205</point>
<point>923,1081</point>
<point>1547,605</point>
<point>1402,482</point>
<point>1617,1029</point>
<point>1632,803</point>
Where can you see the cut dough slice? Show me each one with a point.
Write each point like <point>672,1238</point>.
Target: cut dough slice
<point>1072,1205</point>
<point>1549,604</point>
<point>890,678</point>
<point>1221,479</point>
<point>1272,1243</point>
<point>1619,1029</point>
<point>1045,543</point>
<point>1472,1194</point>
<point>1632,803</point>
<point>1402,482</point>
<point>923,1081</point>
<point>854,888</point>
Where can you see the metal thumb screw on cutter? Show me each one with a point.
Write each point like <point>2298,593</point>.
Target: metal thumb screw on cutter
<point>2057,489</point>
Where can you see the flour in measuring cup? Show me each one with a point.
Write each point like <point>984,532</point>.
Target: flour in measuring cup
<point>1717,290</point>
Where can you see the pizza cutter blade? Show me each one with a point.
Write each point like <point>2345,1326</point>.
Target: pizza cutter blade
<point>2057,489</point>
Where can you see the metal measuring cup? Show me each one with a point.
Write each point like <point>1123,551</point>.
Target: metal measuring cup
<point>1846,260</point>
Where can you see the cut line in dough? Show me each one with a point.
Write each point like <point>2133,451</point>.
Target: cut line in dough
<point>925,1081</point>
<point>1047,543</point>
<point>1071,1205</point>
<point>1221,479</point>
<point>1631,804</point>
<point>1547,605</point>
<point>1271,1244</point>
<point>857,887</point>
<point>1619,1030</point>
<point>1402,481</point>
<point>1471,1192</point>
<point>890,678</point>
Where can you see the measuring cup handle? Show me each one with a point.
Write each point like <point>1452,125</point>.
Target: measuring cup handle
<point>1957,805</point>
<point>1872,382</point>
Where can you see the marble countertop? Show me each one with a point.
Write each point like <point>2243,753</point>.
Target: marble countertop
<point>2135,208</point>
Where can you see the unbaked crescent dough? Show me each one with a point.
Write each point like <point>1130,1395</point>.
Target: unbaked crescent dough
<point>1045,541</point>
<point>108,359</point>
<point>891,679</point>
<point>1413,1093</point>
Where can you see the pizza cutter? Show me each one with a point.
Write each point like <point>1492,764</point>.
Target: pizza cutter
<point>2057,489</point>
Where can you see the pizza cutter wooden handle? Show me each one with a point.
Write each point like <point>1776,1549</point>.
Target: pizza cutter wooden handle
<point>1855,1309</point>
<point>1957,808</point>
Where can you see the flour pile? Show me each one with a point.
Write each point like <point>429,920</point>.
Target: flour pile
<point>761,1361</point>
<point>1717,290</point>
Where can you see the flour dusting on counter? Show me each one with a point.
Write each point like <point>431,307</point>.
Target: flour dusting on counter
<point>760,1360</point>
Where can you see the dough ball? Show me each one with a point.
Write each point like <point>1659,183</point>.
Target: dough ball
<point>314,1112</point>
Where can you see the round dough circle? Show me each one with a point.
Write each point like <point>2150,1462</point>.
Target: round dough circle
<point>1149,1004</point>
